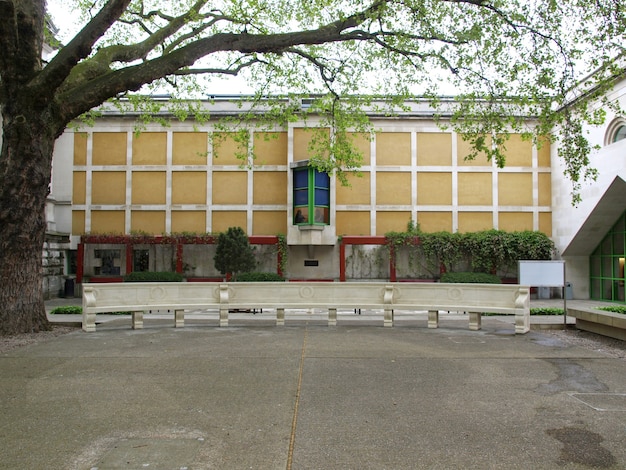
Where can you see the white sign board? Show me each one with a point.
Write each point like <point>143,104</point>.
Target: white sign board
<point>541,273</point>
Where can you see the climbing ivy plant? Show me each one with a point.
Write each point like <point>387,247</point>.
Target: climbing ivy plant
<point>488,251</point>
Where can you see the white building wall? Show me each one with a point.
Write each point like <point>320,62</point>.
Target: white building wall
<point>60,215</point>
<point>610,161</point>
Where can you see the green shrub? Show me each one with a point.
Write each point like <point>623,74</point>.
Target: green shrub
<point>259,277</point>
<point>67,310</point>
<point>153,277</point>
<point>233,253</point>
<point>476,278</point>
<point>546,311</point>
<point>76,310</point>
<point>614,308</point>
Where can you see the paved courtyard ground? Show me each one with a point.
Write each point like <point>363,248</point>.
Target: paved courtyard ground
<point>309,396</point>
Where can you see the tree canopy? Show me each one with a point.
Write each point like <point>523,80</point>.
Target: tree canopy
<point>503,60</point>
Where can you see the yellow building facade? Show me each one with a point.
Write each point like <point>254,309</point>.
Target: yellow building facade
<point>192,179</point>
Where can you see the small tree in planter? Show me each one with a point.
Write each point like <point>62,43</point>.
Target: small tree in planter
<point>233,253</point>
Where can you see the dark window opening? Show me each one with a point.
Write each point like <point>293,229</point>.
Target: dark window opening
<point>108,262</point>
<point>72,261</point>
<point>141,261</point>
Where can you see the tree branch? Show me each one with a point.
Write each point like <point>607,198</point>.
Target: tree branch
<point>90,93</point>
<point>21,36</point>
<point>8,39</point>
<point>80,47</point>
<point>223,71</point>
<point>102,61</point>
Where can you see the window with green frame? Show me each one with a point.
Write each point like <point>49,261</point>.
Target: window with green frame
<point>311,197</point>
<point>607,264</point>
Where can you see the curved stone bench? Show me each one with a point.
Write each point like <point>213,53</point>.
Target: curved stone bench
<point>180,296</point>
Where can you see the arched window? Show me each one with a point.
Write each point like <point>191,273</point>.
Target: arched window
<point>616,131</point>
<point>620,133</point>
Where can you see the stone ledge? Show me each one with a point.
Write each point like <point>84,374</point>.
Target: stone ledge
<point>603,323</point>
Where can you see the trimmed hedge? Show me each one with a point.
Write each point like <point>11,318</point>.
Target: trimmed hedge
<point>153,277</point>
<point>67,310</point>
<point>546,311</point>
<point>76,310</point>
<point>259,277</point>
<point>476,278</point>
<point>614,309</point>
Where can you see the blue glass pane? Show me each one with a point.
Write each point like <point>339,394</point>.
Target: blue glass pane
<point>300,178</point>
<point>322,180</point>
<point>322,197</point>
<point>301,197</point>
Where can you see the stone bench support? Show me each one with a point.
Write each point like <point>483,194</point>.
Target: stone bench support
<point>331,296</point>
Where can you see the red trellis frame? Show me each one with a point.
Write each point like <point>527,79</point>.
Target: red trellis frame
<point>129,241</point>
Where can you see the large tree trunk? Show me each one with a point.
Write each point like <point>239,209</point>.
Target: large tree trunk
<point>25,171</point>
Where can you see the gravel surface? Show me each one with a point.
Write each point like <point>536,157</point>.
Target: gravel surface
<point>584,339</point>
<point>8,343</point>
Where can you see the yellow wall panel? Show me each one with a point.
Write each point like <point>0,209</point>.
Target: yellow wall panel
<point>391,221</point>
<point>519,152</point>
<point>148,187</point>
<point>270,148</point>
<point>435,221</point>
<point>108,187</point>
<point>475,189</point>
<point>393,188</point>
<point>362,143</point>
<point>189,187</point>
<point>515,189</point>
<point>393,148</point>
<point>545,189</point>
<point>79,190</point>
<point>226,149</point>
<point>270,187</point>
<point>434,188</point>
<point>269,222</point>
<point>80,148</point>
<point>188,222</point>
<point>543,153</point>
<point>78,222</point>
<point>353,223</point>
<point>150,148</point>
<point>107,222</point>
<point>475,221</point>
<point>150,222</point>
<point>189,148</point>
<point>545,223</point>
<point>464,148</point>
<point>515,221</point>
<point>302,138</point>
<point>357,193</point>
<point>109,148</point>
<point>434,148</point>
<point>230,187</point>
<point>222,220</point>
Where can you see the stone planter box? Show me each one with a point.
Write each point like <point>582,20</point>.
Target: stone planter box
<point>600,322</point>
